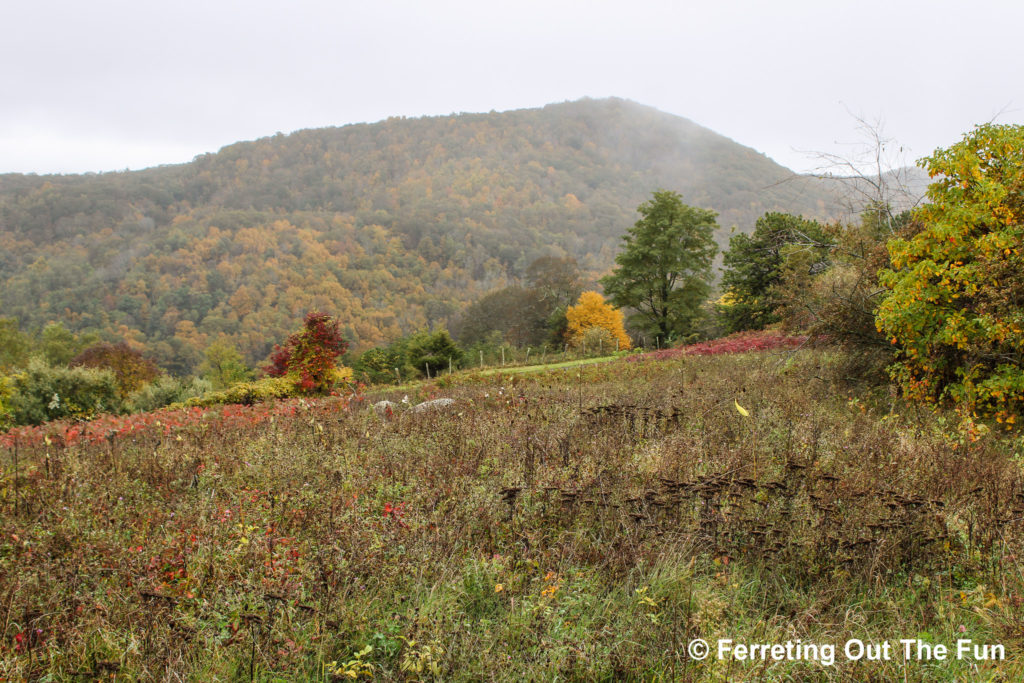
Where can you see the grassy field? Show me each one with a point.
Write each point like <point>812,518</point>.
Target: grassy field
<point>574,524</point>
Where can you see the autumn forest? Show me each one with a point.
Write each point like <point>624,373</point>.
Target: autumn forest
<point>393,227</point>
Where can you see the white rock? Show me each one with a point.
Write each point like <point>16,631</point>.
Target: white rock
<point>382,406</point>
<point>436,404</point>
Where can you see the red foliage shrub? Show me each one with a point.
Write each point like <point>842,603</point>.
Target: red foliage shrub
<point>170,422</point>
<point>279,359</point>
<point>310,355</point>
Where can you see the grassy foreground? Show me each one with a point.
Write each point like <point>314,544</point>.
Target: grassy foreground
<point>581,524</point>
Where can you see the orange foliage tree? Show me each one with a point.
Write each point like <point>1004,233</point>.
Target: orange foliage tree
<point>131,369</point>
<point>591,312</point>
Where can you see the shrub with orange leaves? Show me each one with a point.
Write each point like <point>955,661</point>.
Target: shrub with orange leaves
<point>592,312</point>
<point>131,369</point>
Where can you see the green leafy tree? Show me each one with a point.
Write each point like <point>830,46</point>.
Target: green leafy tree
<point>432,352</point>
<point>14,345</point>
<point>224,366</point>
<point>516,312</point>
<point>529,315</point>
<point>753,267</point>
<point>41,393</point>
<point>664,269</point>
<point>378,365</point>
<point>59,345</point>
<point>5,402</point>
<point>556,280</point>
<point>165,390</point>
<point>555,284</point>
<point>955,306</point>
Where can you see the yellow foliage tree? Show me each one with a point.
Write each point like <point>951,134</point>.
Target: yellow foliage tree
<point>591,312</point>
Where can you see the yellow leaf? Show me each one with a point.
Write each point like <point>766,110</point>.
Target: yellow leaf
<point>740,409</point>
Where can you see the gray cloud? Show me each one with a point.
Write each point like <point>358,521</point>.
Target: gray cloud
<point>108,85</point>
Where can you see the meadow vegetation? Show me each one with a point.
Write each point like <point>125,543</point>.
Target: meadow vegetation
<point>576,524</point>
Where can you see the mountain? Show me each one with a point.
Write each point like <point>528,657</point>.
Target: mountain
<point>391,226</point>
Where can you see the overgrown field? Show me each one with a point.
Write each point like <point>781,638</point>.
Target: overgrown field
<point>582,524</point>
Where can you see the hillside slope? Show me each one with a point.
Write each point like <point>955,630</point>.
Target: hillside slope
<point>391,226</point>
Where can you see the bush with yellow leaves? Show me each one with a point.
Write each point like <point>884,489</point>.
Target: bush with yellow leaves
<point>592,312</point>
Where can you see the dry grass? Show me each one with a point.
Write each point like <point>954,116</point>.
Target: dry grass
<point>580,525</point>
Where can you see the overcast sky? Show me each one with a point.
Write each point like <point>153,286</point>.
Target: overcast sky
<point>109,85</point>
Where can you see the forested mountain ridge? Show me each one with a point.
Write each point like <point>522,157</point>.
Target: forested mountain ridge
<point>391,226</point>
